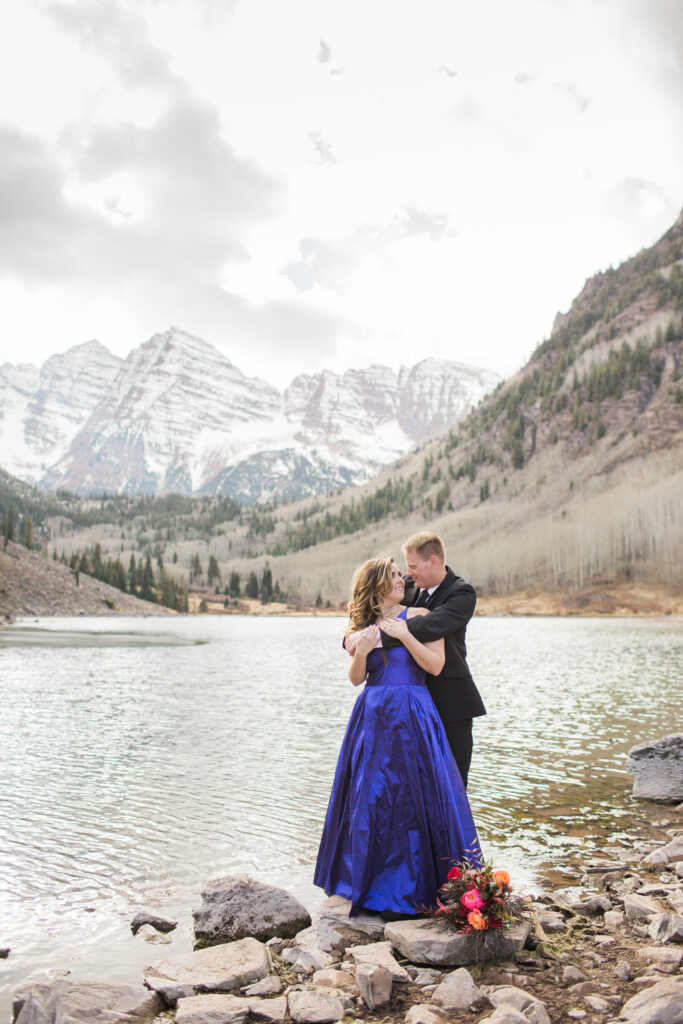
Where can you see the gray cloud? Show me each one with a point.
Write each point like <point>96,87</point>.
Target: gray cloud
<point>524,77</point>
<point>195,197</point>
<point>322,148</point>
<point>450,72</point>
<point>331,262</point>
<point>324,53</point>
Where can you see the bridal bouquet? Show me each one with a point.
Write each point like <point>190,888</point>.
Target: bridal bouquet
<point>475,898</point>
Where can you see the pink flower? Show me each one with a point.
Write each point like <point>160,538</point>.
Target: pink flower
<point>455,872</point>
<point>472,899</point>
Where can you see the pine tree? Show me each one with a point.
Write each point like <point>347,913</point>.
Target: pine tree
<point>266,586</point>
<point>147,581</point>
<point>234,585</point>
<point>252,585</point>
<point>132,576</point>
<point>214,572</point>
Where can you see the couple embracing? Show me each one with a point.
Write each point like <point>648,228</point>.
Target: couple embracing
<point>398,816</point>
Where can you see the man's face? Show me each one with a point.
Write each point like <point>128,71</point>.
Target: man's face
<point>426,572</point>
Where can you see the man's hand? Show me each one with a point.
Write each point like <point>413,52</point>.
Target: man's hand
<point>393,627</point>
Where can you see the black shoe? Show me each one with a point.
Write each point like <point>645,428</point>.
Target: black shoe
<point>392,915</point>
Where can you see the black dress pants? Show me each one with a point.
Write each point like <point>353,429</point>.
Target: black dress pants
<point>459,734</point>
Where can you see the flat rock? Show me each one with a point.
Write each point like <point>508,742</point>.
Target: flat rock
<point>664,958</point>
<point>274,1010</point>
<point>378,953</point>
<point>270,986</point>
<point>321,936</point>
<point>509,995</point>
<point>591,906</point>
<point>657,768</point>
<point>330,978</point>
<point>305,960</point>
<point>237,907</point>
<point>375,984</point>
<point>613,919</point>
<point>597,1004</point>
<point>662,1003</point>
<point>311,1006</point>
<point>73,1002</point>
<point>426,941</point>
<point>457,991</point>
<point>334,912</point>
<point>552,921</point>
<point>426,976</point>
<point>670,853</point>
<point>675,901</point>
<point>622,970</point>
<point>161,924</point>
<point>215,969</point>
<point>424,1013</point>
<point>667,928</point>
<point>505,1014</point>
<point>640,908</point>
<point>213,1008</point>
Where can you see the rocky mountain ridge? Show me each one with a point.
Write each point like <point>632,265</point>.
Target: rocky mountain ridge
<point>178,416</point>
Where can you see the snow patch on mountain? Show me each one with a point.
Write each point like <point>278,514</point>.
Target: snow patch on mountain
<point>178,415</point>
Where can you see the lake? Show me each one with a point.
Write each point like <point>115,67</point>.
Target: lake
<point>141,757</point>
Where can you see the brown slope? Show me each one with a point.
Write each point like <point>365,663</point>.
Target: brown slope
<point>31,584</point>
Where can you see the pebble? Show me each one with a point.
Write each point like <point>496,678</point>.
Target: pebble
<point>572,975</point>
<point>576,1014</point>
<point>597,1003</point>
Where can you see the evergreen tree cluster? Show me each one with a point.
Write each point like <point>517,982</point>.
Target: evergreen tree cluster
<point>393,498</point>
<point>139,579</point>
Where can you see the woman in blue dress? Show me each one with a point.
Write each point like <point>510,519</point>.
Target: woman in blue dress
<point>398,816</point>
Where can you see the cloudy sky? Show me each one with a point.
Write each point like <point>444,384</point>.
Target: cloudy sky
<point>313,183</point>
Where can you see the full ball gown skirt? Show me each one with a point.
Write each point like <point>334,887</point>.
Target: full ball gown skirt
<point>398,815</point>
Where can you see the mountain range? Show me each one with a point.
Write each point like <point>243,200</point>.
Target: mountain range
<point>178,416</point>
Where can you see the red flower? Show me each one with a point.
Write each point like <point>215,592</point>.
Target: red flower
<point>494,922</point>
<point>454,873</point>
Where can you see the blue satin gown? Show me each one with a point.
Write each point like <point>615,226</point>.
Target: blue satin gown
<point>398,815</point>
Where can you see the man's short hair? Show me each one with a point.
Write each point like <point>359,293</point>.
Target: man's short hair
<point>426,544</point>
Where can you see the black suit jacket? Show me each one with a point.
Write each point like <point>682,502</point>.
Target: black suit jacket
<point>450,609</point>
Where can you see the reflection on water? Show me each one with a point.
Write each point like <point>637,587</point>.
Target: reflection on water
<point>132,774</point>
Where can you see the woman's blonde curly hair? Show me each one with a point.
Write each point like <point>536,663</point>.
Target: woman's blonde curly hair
<point>371,582</point>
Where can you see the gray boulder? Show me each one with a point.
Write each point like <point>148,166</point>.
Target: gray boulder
<point>457,991</point>
<point>659,1004</point>
<point>665,855</point>
<point>509,995</point>
<point>657,768</point>
<point>506,1014</point>
<point>273,1011</point>
<point>667,928</point>
<point>216,969</point>
<point>237,907</point>
<point>432,942</point>
<point>314,1007</point>
<point>640,908</point>
<point>378,954</point>
<point>72,1002</point>
<point>375,984</point>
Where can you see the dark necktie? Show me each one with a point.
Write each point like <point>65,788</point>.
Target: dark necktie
<point>422,599</point>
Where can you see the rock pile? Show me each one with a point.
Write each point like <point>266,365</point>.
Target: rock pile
<point>609,950</point>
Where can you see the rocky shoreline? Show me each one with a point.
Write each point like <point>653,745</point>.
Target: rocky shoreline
<point>607,947</point>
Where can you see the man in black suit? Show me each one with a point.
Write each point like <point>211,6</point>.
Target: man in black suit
<point>450,600</point>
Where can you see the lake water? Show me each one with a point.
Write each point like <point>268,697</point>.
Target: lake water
<point>140,762</point>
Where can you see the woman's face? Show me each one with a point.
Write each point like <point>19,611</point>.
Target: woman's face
<point>398,586</point>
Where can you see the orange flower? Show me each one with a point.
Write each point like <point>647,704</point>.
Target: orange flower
<point>501,878</point>
<point>476,920</point>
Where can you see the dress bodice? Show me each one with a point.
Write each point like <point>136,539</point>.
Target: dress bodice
<point>393,666</point>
